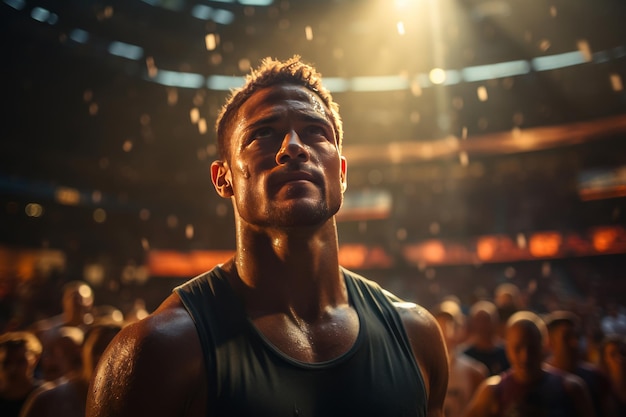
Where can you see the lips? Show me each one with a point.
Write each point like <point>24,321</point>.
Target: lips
<point>286,176</point>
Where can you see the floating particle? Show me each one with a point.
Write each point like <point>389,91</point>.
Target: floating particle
<point>585,50</point>
<point>172,221</point>
<point>464,158</point>
<point>194,115</point>
<point>144,214</point>
<point>616,82</point>
<point>99,215</point>
<point>202,126</point>
<point>33,210</point>
<point>211,41</point>
<point>544,45</point>
<point>482,93</point>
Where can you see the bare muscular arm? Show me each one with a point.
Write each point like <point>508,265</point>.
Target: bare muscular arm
<point>152,368</point>
<point>430,352</point>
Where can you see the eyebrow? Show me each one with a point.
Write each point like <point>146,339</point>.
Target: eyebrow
<point>275,117</point>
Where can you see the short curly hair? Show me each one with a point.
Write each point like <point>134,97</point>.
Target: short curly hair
<point>274,72</point>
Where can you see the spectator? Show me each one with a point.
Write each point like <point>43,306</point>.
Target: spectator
<point>19,353</point>
<point>564,343</point>
<point>483,343</point>
<point>465,373</point>
<point>613,362</point>
<point>527,389</point>
<point>67,396</point>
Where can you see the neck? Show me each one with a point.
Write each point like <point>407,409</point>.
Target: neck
<point>293,270</point>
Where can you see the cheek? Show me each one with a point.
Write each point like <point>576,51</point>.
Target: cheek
<point>245,171</point>
<point>242,170</point>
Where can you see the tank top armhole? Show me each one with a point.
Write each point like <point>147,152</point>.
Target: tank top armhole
<point>386,307</point>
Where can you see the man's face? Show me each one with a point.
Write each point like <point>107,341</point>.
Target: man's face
<point>524,350</point>
<point>482,324</point>
<point>284,167</point>
<point>564,341</point>
<point>615,357</point>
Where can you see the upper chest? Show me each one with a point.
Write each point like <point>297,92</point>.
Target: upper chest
<point>311,341</point>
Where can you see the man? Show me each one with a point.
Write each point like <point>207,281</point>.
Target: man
<point>19,353</point>
<point>527,388</point>
<point>613,362</point>
<point>280,329</point>
<point>465,373</point>
<point>67,396</point>
<point>564,341</point>
<point>484,344</point>
<point>77,303</point>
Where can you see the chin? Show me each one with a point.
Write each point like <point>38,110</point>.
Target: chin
<point>304,214</point>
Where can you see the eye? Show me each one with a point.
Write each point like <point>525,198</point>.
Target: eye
<point>263,133</point>
<point>316,130</point>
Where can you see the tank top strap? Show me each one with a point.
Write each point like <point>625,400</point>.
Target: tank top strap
<point>216,312</point>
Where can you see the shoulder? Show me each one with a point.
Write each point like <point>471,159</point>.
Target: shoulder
<point>428,347</point>
<point>485,401</point>
<point>155,364</point>
<point>168,325</point>
<point>38,401</point>
<point>417,320</point>
<point>45,398</point>
<point>473,366</point>
<point>573,383</point>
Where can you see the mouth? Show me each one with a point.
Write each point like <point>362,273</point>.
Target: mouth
<point>288,177</point>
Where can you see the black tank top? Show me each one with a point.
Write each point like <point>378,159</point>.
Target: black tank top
<point>247,376</point>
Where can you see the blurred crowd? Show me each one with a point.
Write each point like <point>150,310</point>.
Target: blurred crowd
<point>502,356</point>
<point>506,360</point>
<point>46,365</point>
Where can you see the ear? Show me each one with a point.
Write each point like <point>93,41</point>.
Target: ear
<point>220,175</point>
<point>344,170</point>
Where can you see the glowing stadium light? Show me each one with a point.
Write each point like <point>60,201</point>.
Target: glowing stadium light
<point>79,35</point>
<point>256,2</point>
<point>337,84</point>
<point>179,79</point>
<point>223,82</point>
<point>16,4</point>
<point>223,17</point>
<point>126,50</point>
<point>43,15</point>
<point>384,83</point>
<point>437,76</point>
<point>201,11</point>
<point>545,63</point>
<point>499,70</point>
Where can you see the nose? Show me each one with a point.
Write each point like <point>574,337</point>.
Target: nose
<point>292,148</point>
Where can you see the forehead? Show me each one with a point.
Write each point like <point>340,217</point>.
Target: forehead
<point>280,99</point>
<point>523,331</point>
